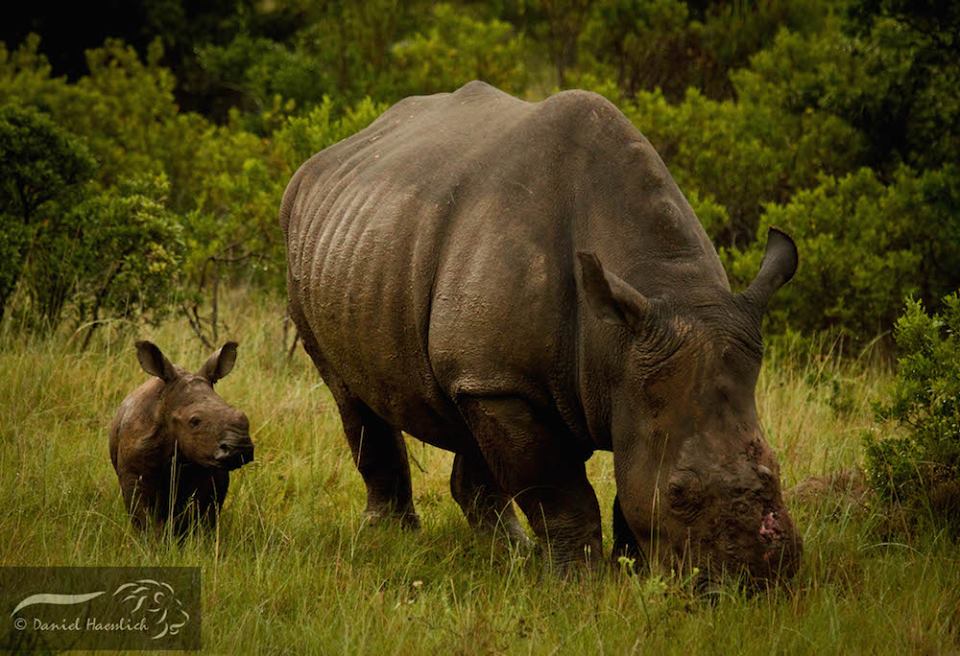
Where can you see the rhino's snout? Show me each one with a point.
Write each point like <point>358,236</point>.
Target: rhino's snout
<point>781,546</point>
<point>770,530</point>
<point>233,451</point>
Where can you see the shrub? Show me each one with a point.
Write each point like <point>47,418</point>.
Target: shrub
<point>672,45</point>
<point>88,229</point>
<point>303,136</point>
<point>40,164</point>
<point>864,246</point>
<point>916,459</point>
<point>457,48</point>
<point>894,84</point>
<point>109,255</point>
<point>742,155</point>
<point>129,257</point>
<point>260,68</point>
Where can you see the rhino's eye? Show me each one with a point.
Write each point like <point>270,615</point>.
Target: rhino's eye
<point>685,497</point>
<point>766,476</point>
<point>195,421</point>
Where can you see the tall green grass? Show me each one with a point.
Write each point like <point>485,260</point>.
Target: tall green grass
<point>293,568</point>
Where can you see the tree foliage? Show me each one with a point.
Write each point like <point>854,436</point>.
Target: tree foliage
<point>865,246</point>
<point>41,168</point>
<point>456,48</point>
<point>743,155</point>
<point>839,123</point>
<point>113,255</point>
<point>674,45</point>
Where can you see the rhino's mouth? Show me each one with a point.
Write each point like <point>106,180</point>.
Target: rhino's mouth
<point>234,462</point>
<point>770,530</point>
<point>233,452</point>
<point>759,551</point>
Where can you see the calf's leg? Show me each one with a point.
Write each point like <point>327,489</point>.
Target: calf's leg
<point>200,496</point>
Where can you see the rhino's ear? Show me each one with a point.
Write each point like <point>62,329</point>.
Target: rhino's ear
<point>154,362</point>
<point>610,297</point>
<point>779,264</point>
<point>220,363</point>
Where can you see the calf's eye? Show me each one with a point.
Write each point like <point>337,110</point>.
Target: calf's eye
<point>195,422</point>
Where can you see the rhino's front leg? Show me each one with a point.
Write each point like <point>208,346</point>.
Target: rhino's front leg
<point>542,472</point>
<point>142,500</point>
<point>625,543</point>
<point>484,503</point>
<point>200,496</point>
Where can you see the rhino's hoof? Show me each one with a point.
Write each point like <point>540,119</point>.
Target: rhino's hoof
<point>408,520</point>
<point>518,538</point>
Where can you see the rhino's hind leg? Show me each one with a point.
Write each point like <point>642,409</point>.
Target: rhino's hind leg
<point>548,481</point>
<point>484,503</point>
<point>380,454</point>
<point>379,451</point>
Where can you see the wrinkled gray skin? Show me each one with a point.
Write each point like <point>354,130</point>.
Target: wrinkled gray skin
<point>175,424</point>
<point>522,284</point>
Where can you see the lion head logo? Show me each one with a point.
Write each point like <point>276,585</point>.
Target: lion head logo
<point>156,602</point>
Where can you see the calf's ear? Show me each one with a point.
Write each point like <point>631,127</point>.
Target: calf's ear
<point>779,264</point>
<point>611,298</point>
<point>154,362</point>
<point>220,363</point>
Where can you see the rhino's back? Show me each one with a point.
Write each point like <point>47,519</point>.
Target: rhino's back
<point>431,254</point>
<point>134,427</point>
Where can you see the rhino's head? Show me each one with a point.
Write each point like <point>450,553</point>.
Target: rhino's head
<point>696,479</point>
<point>204,429</point>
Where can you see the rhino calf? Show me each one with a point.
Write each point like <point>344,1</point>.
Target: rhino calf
<point>174,441</point>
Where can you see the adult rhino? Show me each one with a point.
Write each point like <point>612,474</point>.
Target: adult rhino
<point>523,284</point>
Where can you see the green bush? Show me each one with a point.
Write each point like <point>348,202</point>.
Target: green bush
<point>98,236</point>
<point>742,155</point>
<point>835,122</point>
<point>112,255</point>
<point>864,246</point>
<point>261,68</point>
<point>123,109</point>
<point>130,229</point>
<point>893,84</point>
<point>339,49</point>
<point>915,457</point>
<point>300,137</point>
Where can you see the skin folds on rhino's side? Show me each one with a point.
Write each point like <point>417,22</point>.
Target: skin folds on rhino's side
<point>175,426</point>
<point>522,284</point>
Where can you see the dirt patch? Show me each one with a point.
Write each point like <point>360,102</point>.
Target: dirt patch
<point>846,486</point>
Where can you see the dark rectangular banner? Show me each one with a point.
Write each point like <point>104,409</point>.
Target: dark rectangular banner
<point>99,608</point>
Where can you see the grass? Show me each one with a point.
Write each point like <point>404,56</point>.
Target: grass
<point>293,568</point>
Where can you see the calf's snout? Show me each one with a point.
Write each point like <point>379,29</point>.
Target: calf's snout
<point>234,450</point>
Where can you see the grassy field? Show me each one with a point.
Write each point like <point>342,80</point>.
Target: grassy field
<point>293,569</point>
